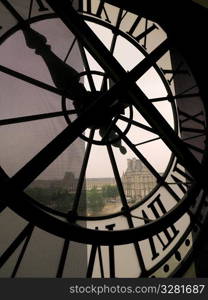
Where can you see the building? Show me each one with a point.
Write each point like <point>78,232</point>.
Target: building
<point>68,183</point>
<point>98,183</point>
<point>137,180</point>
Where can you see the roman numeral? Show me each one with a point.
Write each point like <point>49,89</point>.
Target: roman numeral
<point>89,9</point>
<point>96,249</point>
<point>144,34</point>
<point>179,70</point>
<point>195,148</point>
<point>194,121</point>
<point>111,254</point>
<point>134,26</point>
<point>101,9</point>
<point>41,6</point>
<point>181,178</point>
<point>165,237</point>
<point>193,125</point>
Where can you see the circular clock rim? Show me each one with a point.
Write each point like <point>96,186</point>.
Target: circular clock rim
<point>71,230</point>
<point>49,16</point>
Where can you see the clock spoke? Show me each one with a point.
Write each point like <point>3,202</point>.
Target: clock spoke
<point>147,141</point>
<point>146,108</point>
<point>113,41</point>
<point>182,95</point>
<point>82,175</point>
<point>25,234</point>
<point>97,49</point>
<point>144,100</point>
<point>22,253</point>
<point>30,9</point>
<point>171,98</point>
<point>100,257</point>
<point>47,155</point>
<point>70,49</point>
<point>36,117</point>
<point>168,135</point>
<point>13,12</point>
<point>87,67</point>
<point>91,263</point>
<point>33,81</point>
<point>138,154</point>
<point>63,257</point>
<point>117,178</point>
<point>125,205</point>
<point>138,124</point>
<point>142,218</point>
<point>116,32</point>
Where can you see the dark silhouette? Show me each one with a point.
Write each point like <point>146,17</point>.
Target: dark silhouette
<point>67,79</point>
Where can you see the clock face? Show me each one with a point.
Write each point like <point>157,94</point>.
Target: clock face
<point>103,131</point>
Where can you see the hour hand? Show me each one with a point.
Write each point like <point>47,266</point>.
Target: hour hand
<point>64,76</point>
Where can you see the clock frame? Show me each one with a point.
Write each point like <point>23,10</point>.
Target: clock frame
<point>150,223</point>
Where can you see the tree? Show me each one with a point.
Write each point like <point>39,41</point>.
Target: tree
<point>109,191</point>
<point>95,200</point>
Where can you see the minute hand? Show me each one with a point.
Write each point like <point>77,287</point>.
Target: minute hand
<point>96,48</point>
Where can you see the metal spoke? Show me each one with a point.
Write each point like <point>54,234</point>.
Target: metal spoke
<point>22,253</point>
<point>30,9</point>
<point>138,154</point>
<point>148,141</point>
<point>14,12</point>
<point>113,42</point>
<point>125,206</point>
<point>63,259</point>
<point>100,261</point>
<point>96,48</point>
<point>48,154</point>
<point>35,117</point>
<point>91,264</point>
<point>115,33</point>
<point>70,49</point>
<point>138,124</point>
<point>117,177</point>
<point>87,68</point>
<point>171,98</point>
<point>91,261</point>
<point>142,218</point>
<point>15,244</point>
<point>33,81</point>
<point>82,174</point>
<point>182,95</point>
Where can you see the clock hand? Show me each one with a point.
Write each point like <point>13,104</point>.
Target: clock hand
<point>93,44</point>
<point>116,73</point>
<point>56,66</point>
<point>65,77</point>
<point>61,73</point>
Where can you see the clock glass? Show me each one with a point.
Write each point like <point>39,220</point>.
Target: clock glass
<point>103,134</point>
